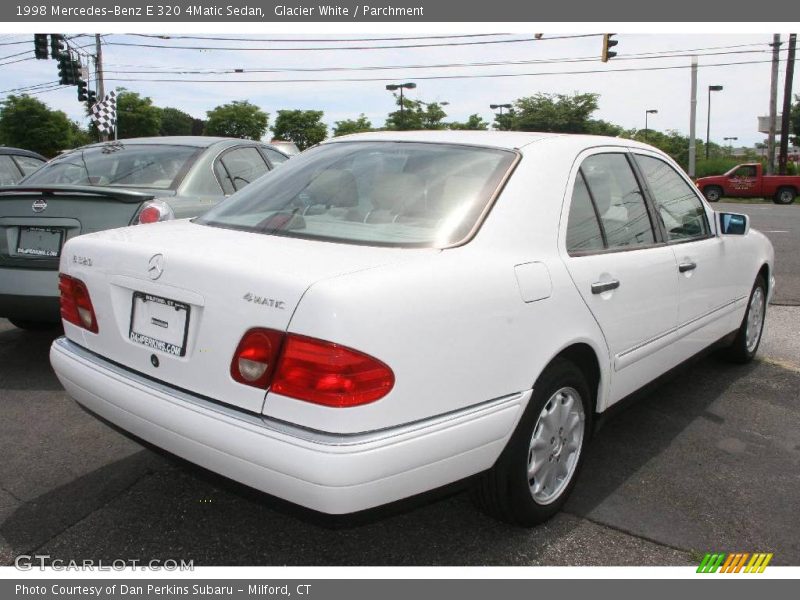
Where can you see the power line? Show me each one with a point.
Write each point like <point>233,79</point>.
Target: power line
<point>312,40</point>
<point>15,43</point>
<point>19,60</point>
<point>314,48</point>
<point>15,55</point>
<point>593,58</point>
<point>28,87</point>
<point>430,77</point>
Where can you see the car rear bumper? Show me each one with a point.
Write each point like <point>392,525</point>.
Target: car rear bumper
<point>331,473</point>
<point>30,294</point>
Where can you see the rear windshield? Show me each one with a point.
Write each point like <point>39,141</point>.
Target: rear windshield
<point>156,166</point>
<point>377,193</point>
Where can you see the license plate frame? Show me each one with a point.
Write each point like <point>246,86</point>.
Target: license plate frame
<point>161,319</point>
<point>30,249</point>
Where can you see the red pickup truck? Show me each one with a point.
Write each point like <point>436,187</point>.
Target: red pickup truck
<point>749,181</point>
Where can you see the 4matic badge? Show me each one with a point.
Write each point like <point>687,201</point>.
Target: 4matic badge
<point>264,301</point>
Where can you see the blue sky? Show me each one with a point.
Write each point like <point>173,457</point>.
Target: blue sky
<point>624,96</point>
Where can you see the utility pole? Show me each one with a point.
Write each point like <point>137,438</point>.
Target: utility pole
<point>98,74</point>
<point>787,104</point>
<point>693,120</point>
<point>773,103</point>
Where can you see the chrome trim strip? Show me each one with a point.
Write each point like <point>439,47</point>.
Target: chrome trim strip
<point>272,425</point>
<point>683,329</point>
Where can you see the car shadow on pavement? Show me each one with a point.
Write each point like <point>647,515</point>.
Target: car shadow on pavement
<point>22,356</point>
<point>647,474</point>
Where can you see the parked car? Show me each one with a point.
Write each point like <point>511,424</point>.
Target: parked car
<point>16,163</point>
<point>392,312</point>
<point>289,148</point>
<point>748,181</point>
<point>109,185</point>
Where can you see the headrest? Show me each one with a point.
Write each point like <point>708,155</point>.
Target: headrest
<point>334,187</point>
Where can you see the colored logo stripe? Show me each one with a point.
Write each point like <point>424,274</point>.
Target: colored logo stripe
<point>734,562</point>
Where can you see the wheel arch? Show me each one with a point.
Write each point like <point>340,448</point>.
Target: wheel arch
<point>586,357</point>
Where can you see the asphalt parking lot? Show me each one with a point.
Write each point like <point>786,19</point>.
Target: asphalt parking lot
<point>709,461</point>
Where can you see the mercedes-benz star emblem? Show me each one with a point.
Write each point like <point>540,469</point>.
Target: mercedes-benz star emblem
<point>39,205</point>
<point>155,266</point>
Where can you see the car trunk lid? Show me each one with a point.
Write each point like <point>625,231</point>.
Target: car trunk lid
<point>35,221</point>
<point>173,300</point>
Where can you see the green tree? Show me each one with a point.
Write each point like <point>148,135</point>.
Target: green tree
<point>794,123</point>
<point>303,127</point>
<point>559,113</point>
<point>27,122</point>
<point>238,119</point>
<point>136,116</point>
<point>474,122</point>
<point>505,122</point>
<point>416,115</point>
<point>349,126</point>
<point>175,122</point>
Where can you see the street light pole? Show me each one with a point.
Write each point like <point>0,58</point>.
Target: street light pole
<point>501,107</point>
<point>401,86</point>
<point>711,88</point>
<point>649,111</point>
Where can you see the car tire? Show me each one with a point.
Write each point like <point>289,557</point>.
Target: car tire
<point>713,193</point>
<point>35,325</point>
<point>515,490</point>
<point>785,195</point>
<point>748,337</point>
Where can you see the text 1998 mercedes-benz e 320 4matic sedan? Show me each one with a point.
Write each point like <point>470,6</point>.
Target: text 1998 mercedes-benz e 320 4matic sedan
<point>392,312</point>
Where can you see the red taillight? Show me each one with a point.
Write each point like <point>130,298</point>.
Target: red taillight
<point>255,357</point>
<point>309,369</point>
<point>154,211</point>
<point>76,305</point>
<point>329,374</point>
<point>149,215</point>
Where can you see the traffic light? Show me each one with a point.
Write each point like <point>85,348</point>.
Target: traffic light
<point>91,98</point>
<point>63,70</point>
<point>69,70</point>
<point>608,43</point>
<point>83,91</point>
<point>57,45</point>
<point>40,46</point>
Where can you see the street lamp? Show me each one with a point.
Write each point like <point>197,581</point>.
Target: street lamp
<point>500,106</point>
<point>649,111</point>
<point>393,87</point>
<point>711,88</point>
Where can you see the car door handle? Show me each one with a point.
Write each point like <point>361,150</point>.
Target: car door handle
<point>604,286</point>
<point>687,266</point>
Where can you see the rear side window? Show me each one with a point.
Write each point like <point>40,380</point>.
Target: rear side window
<point>9,174</point>
<point>275,157</point>
<point>28,164</point>
<point>618,200</point>
<point>583,228</point>
<point>240,167</point>
<point>677,204</point>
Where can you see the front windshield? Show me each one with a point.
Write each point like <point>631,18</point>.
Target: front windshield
<point>115,164</point>
<point>380,193</point>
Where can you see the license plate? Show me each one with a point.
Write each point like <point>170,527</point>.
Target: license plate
<point>159,323</point>
<point>43,242</point>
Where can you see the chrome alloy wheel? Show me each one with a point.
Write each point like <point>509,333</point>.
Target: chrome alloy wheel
<point>755,319</point>
<point>555,445</point>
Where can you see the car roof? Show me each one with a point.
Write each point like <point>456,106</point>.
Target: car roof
<point>199,141</point>
<point>21,152</point>
<point>507,140</point>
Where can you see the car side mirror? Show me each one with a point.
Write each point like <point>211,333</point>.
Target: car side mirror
<point>733,223</point>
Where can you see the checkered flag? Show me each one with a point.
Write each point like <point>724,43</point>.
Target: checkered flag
<point>104,113</point>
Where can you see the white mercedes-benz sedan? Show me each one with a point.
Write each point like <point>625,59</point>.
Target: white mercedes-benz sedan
<point>389,313</point>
